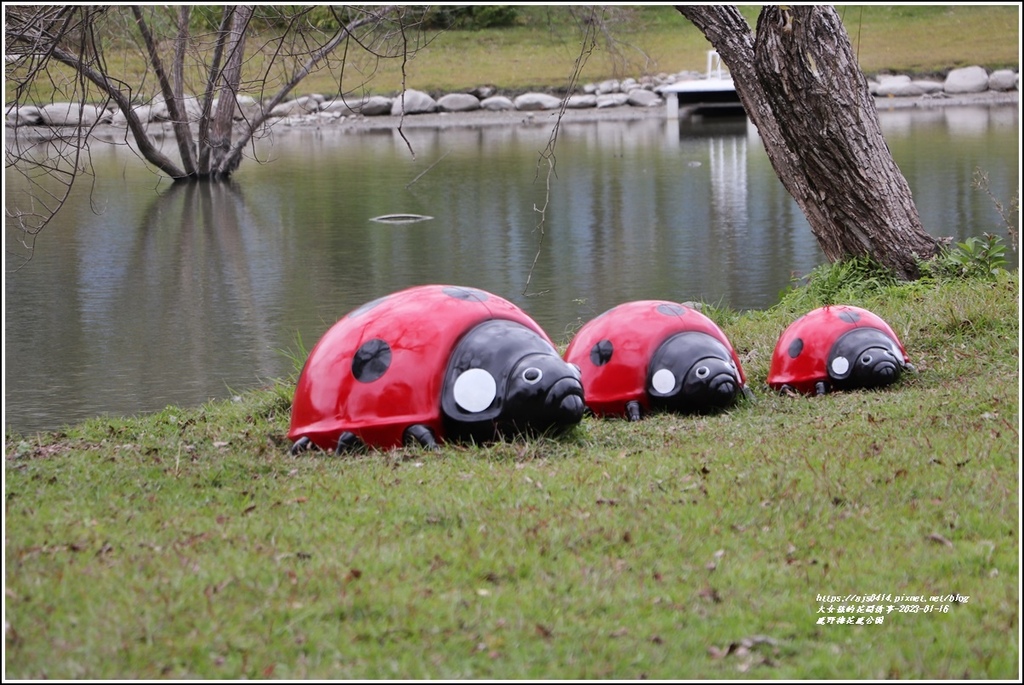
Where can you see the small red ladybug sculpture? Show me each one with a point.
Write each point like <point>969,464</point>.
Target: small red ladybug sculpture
<point>837,347</point>
<point>432,363</point>
<point>655,355</point>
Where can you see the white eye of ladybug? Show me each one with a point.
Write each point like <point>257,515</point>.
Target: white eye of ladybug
<point>703,372</point>
<point>532,375</point>
<point>663,381</point>
<point>840,365</point>
<point>866,359</point>
<point>474,390</point>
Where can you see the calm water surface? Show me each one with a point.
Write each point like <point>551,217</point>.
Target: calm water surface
<point>143,295</point>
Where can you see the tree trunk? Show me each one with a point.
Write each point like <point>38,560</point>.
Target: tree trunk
<point>223,162</point>
<point>801,86</point>
<point>186,146</point>
<point>175,105</point>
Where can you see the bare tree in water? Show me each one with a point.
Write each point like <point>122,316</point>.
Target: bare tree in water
<point>799,81</point>
<point>218,90</point>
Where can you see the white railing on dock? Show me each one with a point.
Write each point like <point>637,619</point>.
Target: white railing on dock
<point>714,82</point>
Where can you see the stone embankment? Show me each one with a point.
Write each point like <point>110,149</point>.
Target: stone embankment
<point>971,84</point>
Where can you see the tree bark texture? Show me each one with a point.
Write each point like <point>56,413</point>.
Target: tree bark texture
<point>223,162</point>
<point>175,107</point>
<point>801,86</point>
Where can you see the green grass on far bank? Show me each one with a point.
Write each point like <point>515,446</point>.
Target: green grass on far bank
<point>924,40</point>
<point>188,544</point>
<point>540,52</point>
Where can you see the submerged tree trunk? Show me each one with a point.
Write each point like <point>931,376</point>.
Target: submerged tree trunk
<point>801,86</point>
<point>218,147</point>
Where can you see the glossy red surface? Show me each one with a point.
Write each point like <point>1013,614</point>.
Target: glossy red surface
<point>420,327</point>
<point>635,330</point>
<point>814,334</point>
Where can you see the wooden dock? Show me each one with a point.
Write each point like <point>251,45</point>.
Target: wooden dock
<point>715,93</point>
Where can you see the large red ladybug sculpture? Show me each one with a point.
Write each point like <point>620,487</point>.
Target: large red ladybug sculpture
<point>837,347</point>
<point>655,355</point>
<point>428,364</point>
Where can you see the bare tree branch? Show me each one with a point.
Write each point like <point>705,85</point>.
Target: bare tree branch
<point>149,151</point>
<point>179,120</point>
<point>48,41</point>
<point>547,156</point>
<point>377,15</point>
<point>185,142</point>
<point>205,143</point>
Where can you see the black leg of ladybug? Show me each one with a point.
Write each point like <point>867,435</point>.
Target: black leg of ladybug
<point>820,388</point>
<point>422,436</point>
<point>748,393</point>
<point>348,443</point>
<point>301,445</point>
<point>633,410</point>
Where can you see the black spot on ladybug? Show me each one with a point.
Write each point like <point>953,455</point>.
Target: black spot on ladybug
<point>601,352</point>
<point>796,347</point>
<point>371,361</point>
<point>671,309</point>
<point>849,317</point>
<point>366,307</point>
<point>465,294</point>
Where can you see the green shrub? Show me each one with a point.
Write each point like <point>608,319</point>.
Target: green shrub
<point>975,257</point>
<point>471,17</point>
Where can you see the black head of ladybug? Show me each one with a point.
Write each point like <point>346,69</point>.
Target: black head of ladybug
<point>864,358</point>
<point>544,393</point>
<point>692,372</point>
<point>502,378</point>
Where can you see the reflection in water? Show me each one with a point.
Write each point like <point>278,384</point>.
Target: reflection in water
<point>156,312</point>
<point>201,262</point>
<point>140,297</point>
<point>728,157</point>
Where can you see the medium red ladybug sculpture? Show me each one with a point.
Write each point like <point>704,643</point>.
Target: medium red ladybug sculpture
<point>837,347</point>
<point>432,363</point>
<point>655,355</point>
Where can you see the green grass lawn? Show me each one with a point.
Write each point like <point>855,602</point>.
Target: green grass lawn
<point>541,52</point>
<point>189,544</point>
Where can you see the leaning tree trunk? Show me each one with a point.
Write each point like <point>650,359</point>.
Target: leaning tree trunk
<point>801,86</point>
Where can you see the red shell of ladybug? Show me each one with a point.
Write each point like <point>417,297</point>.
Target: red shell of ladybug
<point>838,346</point>
<point>382,368</point>
<point>617,351</point>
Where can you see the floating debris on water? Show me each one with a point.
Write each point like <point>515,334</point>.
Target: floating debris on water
<point>401,218</point>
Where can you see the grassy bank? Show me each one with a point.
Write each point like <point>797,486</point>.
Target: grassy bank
<point>540,52</point>
<point>924,40</point>
<point>188,544</point>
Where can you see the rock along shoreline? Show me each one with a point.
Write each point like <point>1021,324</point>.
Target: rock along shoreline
<point>611,100</point>
<point>443,120</point>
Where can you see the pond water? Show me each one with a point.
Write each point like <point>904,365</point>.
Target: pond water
<point>142,294</point>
